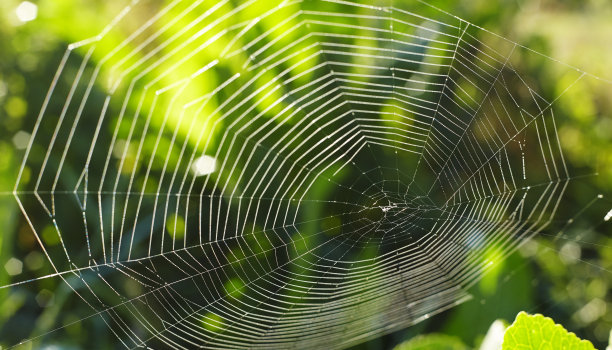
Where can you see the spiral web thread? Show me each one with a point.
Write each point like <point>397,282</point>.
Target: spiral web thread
<point>307,175</point>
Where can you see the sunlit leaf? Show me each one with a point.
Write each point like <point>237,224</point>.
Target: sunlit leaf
<point>541,333</point>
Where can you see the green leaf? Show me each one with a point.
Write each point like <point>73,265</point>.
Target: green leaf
<point>536,332</point>
<point>432,341</point>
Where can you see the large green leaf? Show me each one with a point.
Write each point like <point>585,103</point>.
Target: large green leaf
<point>536,332</point>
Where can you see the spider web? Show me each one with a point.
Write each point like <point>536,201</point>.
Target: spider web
<point>306,175</point>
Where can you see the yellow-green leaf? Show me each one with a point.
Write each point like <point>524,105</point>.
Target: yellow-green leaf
<point>536,332</point>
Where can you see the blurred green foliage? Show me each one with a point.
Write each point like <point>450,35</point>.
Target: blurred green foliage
<point>432,341</point>
<point>565,274</point>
